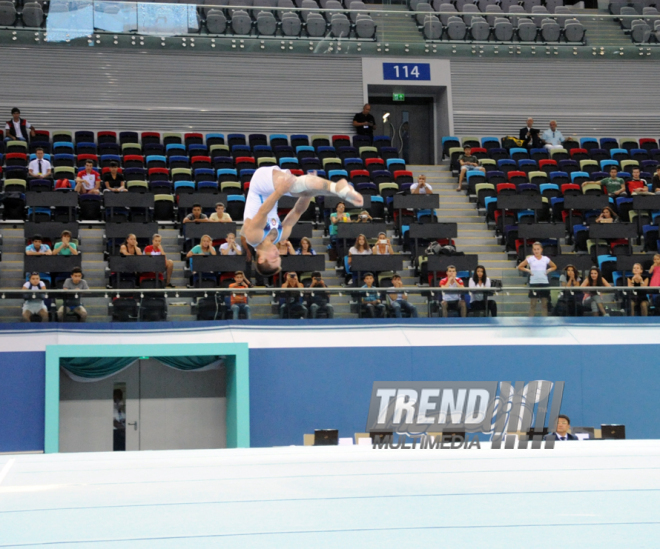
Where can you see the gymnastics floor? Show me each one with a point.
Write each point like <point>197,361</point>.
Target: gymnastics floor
<point>580,494</point>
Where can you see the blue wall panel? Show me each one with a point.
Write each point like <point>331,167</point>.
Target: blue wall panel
<point>22,386</point>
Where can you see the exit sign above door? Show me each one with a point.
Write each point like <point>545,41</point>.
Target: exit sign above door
<point>406,71</point>
<point>398,97</point>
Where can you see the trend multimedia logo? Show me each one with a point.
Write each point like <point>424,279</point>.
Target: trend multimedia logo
<point>449,415</point>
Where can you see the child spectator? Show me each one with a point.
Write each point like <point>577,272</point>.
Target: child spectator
<point>319,300</point>
<point>39,168</point>
<point>305,247</point>
<point>72,303</point>
<point>205,247</point>
<point>639,300</point>
<point>231,247</point>
<point>239,301</point>
<point>592,300</point>
<point>34,303</point>
<point>196,216</point>
<point>220,216</point>
<point>382,246</point>
<point>293,304</point>
<point>88,180</point>
<point>130,247</point>
<point>452,300</point>
<point>113,180</point>
<point>479,301</point>
<point>467,162</point>
<point>156,248</point>
<point>539,267</point>
<point>65,246</point>
<point>398,300</point>
<point>370,298</point>
<point>38,247</point>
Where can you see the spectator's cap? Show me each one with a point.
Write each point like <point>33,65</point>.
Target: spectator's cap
<point>219,204</point>
<point>37,237</point>
<point>66,233</point>
<point>16,110</point>
<point>76,270</point>
<point>316,274</point>
<point>365,275</point>
<point>114,164</point>
<point>467,146</point>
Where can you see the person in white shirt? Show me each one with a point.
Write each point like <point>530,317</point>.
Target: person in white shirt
<point>479,301</point>
<point>231,247</point>
<point>421,187</point>
<point>539,267</point>
<point>18,129</point>
<point>39,168</point>
<point>553,138</point>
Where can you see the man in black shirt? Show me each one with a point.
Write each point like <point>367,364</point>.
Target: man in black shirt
<point>530,135</point>
<point>114,181</point>
<point>363,122</point>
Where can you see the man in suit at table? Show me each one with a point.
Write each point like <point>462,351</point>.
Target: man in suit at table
<point>561,431</point>
<point>530,135</point>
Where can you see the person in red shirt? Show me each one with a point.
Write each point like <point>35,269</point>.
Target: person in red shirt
<point>452,300</point>
<point>637,185</point>
<point>239,301</point>
<point>88,180</point>
<point>156,248</point>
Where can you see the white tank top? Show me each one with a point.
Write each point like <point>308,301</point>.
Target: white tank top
<point>538,268</point>
<point>261,187</point>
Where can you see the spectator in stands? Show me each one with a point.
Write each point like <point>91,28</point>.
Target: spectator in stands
<point>530,135</point>
<point>382,246</point>
<point>398,299</point>
<point>34,303</point>
<point>39,168</point>
<point>364,217</point>
<point>18,129</point>
<point>305,247</point>
<point>553,138</point>
<point>479,301</point>
<point>88,180</point>
<point>113,180</point>
<point>38,247</point>
<point>607,216</point>
<point>340,216</point>
<point>592,300</point>
<point>567,301</point>
<point>74,283</point>
<point>452,300</point>
<point>285,247</point>
<point>614,185</point>
<point>231,247</point>
<point>370,298</point>
<point>468,162</point>
<point>196,215</point>
<point>561,431</point>
<point>319,300</point>
<point>421,187</point>
<point>539,267</point>
<point>639,300</point>
<point>65,246</point>
<point>292,303</point>
<point>655,183</point>
<point>654,271</point>
<point>220,215</point>
<point>364,122</point>
<point>205,247</point>
<point>361,247</point>
<point>637,185</point>
<point>156,248</point>
<point>130,247</point>
<point>239,300</point>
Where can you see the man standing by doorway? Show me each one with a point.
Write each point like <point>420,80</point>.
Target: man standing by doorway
<point>364,123</point>
<point>118,421</point>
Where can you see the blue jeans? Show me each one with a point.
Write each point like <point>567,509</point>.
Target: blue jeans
<point>17,139</point>
<point>314,308</point>
<point>239,308</point>
<point>402,304</point>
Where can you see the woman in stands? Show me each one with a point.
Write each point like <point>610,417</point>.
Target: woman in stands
<point>638,299</point>
<point>567,302</point>
<point>361,247</point>
<point>592,300</point>
<point>539,267</point>
<point>205,247</point>
<point>383,246</point>
<point>607,216</point>
<point>130,247</point>
<point>479,301</point>
<point>305,247</point>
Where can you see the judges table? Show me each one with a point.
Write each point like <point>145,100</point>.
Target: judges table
<point>51,263</point>
<point>303,263</point>
<point>137,264</point>
<point>613,230</point>
<point>53,200</point>
<point>49,229</point>
<point>361,264</point>
<point>128,200</point>
<point>519,202</point>
<point>217,263</point>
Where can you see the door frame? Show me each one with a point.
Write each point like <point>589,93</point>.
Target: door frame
<point>236,362</point>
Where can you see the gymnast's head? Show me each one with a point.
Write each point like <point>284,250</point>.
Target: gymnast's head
<point>268,262</point>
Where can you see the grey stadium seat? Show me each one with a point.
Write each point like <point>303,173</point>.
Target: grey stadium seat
<point>526,30</point>
<point>615,7</point>
<point>340,26</point>
<point>334,5</point>
<point>287,6</point>
<point>216,22</point>
<point>414,4</point>
<point>456,28</point>
<point>213,5</point>
<point>266,24</point>
<point>503,30</point>
<point>640,31</point>
<point>539,13</point>
<point>33,15</point>
<point>8,15</point>
<point>423,7</point>
<point>365,27</point>
<point>483,4</point>
<point>357,5</point>
<point>241,23</point>
<point>529,4</point>
<point>432,29</point>
<point>626,23</point>
<point>308,4</point>
<point>574,31</point>
<point>514,18</point>
<point>444,18</point>
<point>315,25</point>
<point>468,10</point>
<point>506,4</point>
<point>562,13</point>
<point>243,3</point>
<point>460,4</point>
<point>550,31</point>
<point>291,25</point>
<point>552,5</point>
<point>479,29</point>
<point>493,12</point>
